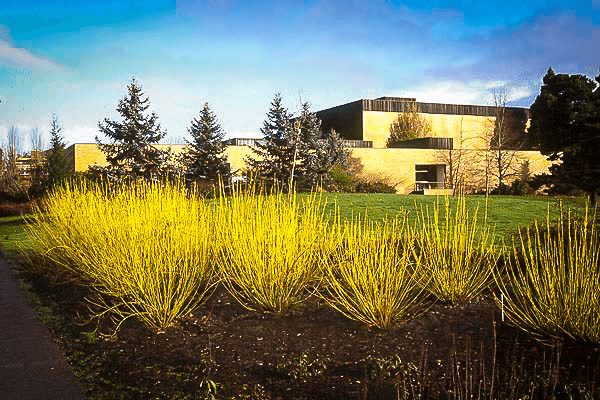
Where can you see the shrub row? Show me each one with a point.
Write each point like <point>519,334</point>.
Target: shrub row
<point>153,252</point>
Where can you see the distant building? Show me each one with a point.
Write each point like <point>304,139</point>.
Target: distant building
<point>29,167</point>
<point>26,164</point>
<point>421,165</point>
<point>424,164</point>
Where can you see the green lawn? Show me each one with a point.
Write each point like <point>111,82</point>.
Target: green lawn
<point>12,234</point>
<point>506,213</point>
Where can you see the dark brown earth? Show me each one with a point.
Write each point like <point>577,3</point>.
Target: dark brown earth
<point>313,353</point>
<point>10,208</point>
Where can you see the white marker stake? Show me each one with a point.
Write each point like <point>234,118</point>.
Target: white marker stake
<point>502,305</point>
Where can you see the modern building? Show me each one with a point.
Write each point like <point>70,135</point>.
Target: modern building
<point>424,165</point>
<point>460,141</point>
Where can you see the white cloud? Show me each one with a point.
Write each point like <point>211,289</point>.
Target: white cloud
<point>458,92</point>
<point>77,133</point>
<point>22,58</point>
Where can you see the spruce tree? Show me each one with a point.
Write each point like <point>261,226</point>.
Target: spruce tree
<point>131,151</point>
<point>331,152</point>
<point>274,159</point>
<point>308,129</point>
<point>58,166</point>
<point>204,158</point>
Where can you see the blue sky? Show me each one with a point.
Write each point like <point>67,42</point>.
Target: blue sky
<point>74,58</point>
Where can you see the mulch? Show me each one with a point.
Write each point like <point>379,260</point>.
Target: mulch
<point>259,355</point>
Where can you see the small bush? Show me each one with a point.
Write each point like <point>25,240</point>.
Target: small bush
<point>517,188</point>
<point>371,278</point>
<point>551,283</point>
<point>145,248</point>
<point>352,180</point>
<point>374,187</point>
<point>457,253</point>
<point>341,180</point>
<point>273,247</point>
<point>521,188</point>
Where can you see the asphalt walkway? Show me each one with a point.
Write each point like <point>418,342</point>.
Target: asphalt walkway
<point>31,364</point>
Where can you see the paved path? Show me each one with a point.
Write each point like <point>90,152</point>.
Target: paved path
<point>31,364</point>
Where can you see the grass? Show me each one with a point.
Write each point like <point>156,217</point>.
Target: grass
<point>506,213</point>
<point>13,235</point>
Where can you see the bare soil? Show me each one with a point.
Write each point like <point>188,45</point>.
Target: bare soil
<point>312,353</point>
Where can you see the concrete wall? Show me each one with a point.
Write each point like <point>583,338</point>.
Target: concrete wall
<point>376,127</point>
<point>395,166</point>
<point>85,155</point>
<point>346,119</point>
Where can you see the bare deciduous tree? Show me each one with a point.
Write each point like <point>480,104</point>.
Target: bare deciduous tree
<point>37,158</point>
<point>500,156</point>
<point>460,162</point>
<point>408,125</point>
<point>9,179</point>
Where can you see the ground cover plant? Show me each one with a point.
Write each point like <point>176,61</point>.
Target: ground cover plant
<point>225,350</point>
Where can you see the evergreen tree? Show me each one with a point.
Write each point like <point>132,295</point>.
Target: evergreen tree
<point>204,158</point>
<point>318,153</point>
<point>293,150</point>
<point>308,128</point>
<point>565,120</point>
<point>58,166</point>
<point>131,151</point>
<point>274,159</point>
<point>332,151</point>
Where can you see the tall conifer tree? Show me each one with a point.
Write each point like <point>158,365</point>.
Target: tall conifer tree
<point>331,152</point>
<point>274,159</point>
<point>308,131</point>
<point>57,163</point>
<point>131,151</point>
<point>204,158</point>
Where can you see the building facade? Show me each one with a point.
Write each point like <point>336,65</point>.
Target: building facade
<point>458,143</point>
<point>460,148</point>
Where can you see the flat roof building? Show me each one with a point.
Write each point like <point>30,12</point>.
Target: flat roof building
<point>422,165</point>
